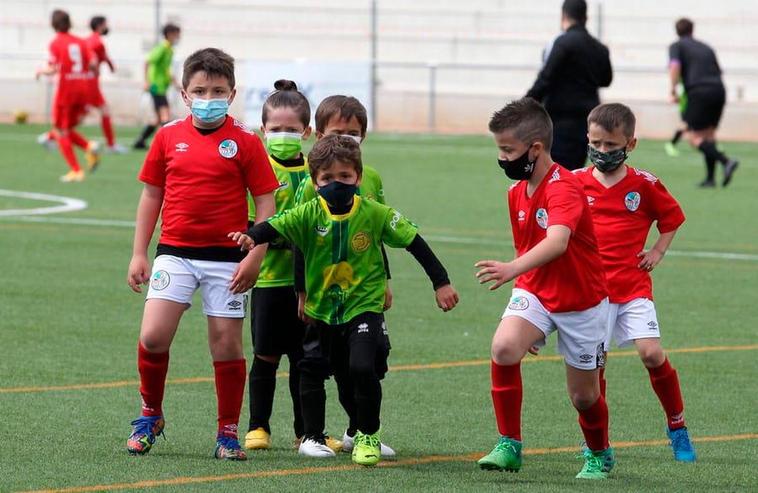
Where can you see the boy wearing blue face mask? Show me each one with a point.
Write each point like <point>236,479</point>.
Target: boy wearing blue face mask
<point>340,235</point>
<point>625,202</point>
<point>197,175</point>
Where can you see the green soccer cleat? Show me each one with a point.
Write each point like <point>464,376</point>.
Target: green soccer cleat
<point>367,449</point>
<point>597,465</point>
<point>506,456</point>
<point>670,149</point>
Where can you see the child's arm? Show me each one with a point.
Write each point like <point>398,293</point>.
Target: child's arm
<point>247,271</point>
<point>653,257</point>
<point>444,292</point>
<point>553,246</point>
<point>147,216</point>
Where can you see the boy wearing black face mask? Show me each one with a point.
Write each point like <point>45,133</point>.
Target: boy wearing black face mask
<point>340,235</point>
<point>625,202</point>
<point>557,287</point>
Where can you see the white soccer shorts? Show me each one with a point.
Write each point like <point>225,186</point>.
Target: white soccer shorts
<point>632,320</point>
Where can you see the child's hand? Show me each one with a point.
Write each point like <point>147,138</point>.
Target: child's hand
<point>301,309</point>
<point>246,274</point>
<point>139,272</point>
<point>387,297</point>
<point>650,259</point>
<point>535,350</point>
<point>492,270</point>
<point>447,297</point>
<point>245,242</point>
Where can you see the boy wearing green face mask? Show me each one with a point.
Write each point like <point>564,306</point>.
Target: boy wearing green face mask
<point>275,327</point>
<point>346,116</point>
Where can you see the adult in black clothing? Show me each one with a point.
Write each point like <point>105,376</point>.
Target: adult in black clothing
<point>695,64</point>
<point>575,67</point>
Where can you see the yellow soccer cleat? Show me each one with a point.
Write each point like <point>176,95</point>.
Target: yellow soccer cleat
<point>73,176</point>
<point>258,439</point>
<point>334,444</point>
<point>92,155</point>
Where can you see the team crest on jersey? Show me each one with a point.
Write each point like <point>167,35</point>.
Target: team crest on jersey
<point>228,148</point>
<point>518,303</point>
<point>360,242</point>
<point>160,280</point>
<point>632,201</point>
<point>541,217</point>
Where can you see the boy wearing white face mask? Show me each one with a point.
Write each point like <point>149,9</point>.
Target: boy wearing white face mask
<point>275,327</point>
<point>197,175</point>
<point>625,202</point>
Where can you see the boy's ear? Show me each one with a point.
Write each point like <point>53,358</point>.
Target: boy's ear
<point>186,98</point>
<point>360,178</point>
<point>307,132</point>
<point>263,130</point>
<point>319,135</point>
<point>231,98</point>
<point>631,145</point>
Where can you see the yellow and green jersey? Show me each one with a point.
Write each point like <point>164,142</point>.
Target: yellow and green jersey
<point>344,266</point>
<point>159,67</point>
<point>277,268</point>
<point>371,188</point>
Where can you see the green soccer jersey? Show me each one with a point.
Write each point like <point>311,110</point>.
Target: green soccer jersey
<point>159,67</point>
<point>277,267</point>
<point>344,267</point>
<point>371,188</point>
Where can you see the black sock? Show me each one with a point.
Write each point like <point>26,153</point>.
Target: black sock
<point>146,133</point>
<point>261,393</point>
<point>366,384</point>
<point>313,402</point>
<point>294,381</point>
<point>710,169</point>
<point>346,392</point>
<point>710,151</point>
<point>677,136</point>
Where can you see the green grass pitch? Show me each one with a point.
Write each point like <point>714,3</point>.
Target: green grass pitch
<point>68,320</point>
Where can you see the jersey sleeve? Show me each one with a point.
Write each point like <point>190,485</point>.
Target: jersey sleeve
<point>154,168</point>
<point>664,208</point>
<point>397,232</point>
<point>305,192</point>
<point>259,177</point>
<point>675,53</point>
<point>53,57</point>
<point>379,189</point>
<point>155,54</point>
<point>291,224</point>
<point>564,205</point>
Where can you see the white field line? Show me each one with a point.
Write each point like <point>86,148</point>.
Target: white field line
<point>747,257</point>
<point>67,204</point>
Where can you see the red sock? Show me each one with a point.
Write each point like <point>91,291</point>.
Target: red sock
<point>602,382</point>
<point>666,386</point>
<point>230,390</point>
<point>78,140</point>
<point>152,376</point>
<point>67,150</point>
<point>506,397</point>
<point>108,130</point>
<point>594,423</point>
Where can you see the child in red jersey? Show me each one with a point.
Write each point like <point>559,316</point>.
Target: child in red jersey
<point>72,60</point>
<point>625,202</point>
<point>197,175</point>
<point>556,288</point>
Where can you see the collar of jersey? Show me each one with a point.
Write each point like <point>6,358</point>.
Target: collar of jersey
<point>340,217</point>
<point>276,164</point>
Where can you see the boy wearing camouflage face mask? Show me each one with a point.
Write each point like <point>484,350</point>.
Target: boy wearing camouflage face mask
<point>625,202</point>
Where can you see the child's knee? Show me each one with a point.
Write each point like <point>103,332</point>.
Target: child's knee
<point>155,342</point>
<point>584,398</point>
<point>651,355</point>
<point>362,370</point>
<point>504,352</point>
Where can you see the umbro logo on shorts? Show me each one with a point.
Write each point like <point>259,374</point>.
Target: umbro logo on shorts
<point>653,325</point>
<point>234,305</point>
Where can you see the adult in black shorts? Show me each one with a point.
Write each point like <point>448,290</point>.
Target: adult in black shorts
<point>575,66</point>
<point>695,64</point>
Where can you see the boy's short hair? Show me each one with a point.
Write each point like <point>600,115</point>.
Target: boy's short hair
<point>684,27</point>
<point>344,107</point>
<point>332,149</point>
<point>96,22</point>
<point>611,116</point>
<point>170,29</point>
<point>60,21</point>
<point>286,95</point>
<point>575,10</point>
<point>212,61</point>
<point>527,119</point>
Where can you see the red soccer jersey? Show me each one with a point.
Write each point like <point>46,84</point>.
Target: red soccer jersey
<point>97,48</point>
<point>71,56</point>
<point>622,215</point>
<point>205,179</point>
<point>574,281</point>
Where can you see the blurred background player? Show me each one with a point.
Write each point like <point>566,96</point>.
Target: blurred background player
<point>695,64</point>
<point>575,66</point>
<point>346,116</point>
<point>158,78</point>
<point>72,60</point>
<point>670,146</point>
<point>99,26</point>
<point>625,203</point>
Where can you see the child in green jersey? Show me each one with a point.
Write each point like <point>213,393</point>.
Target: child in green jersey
<point>158,78</point>
<point>345,115</point>
<point>340,235</point>
<point>275,327</point>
